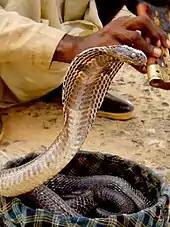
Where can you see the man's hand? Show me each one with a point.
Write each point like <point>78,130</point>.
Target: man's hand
<point>124,30</point>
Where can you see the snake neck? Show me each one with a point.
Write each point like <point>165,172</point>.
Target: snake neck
<point>24,178</point>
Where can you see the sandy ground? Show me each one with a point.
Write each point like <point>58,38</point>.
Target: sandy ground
<point>145,138</point>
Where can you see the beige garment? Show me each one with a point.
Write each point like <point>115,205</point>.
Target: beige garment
<point>30,31</point>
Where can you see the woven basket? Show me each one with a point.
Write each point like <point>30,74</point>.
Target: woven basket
<point>15,213</point>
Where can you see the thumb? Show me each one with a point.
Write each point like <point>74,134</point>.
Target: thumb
<point>142,69</point>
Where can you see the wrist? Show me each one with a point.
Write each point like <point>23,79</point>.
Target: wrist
<point>67,49</point>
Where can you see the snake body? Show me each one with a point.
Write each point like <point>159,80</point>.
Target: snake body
<point>65,185</point>
<point>85,85</point>
<point>46,199</point>
<point>92,196</point>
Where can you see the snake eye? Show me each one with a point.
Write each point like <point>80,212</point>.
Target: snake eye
<point>133,55</point>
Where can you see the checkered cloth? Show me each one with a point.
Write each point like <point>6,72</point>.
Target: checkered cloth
<point>15,213</point>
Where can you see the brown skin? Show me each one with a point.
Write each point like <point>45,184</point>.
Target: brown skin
<point>118,31</point>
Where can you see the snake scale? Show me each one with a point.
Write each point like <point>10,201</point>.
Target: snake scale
<point>85,85</point>
<point>90,196</point>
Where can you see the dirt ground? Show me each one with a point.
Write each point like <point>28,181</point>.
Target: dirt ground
<point>145,138</point>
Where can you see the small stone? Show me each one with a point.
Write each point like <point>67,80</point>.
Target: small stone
<point>165,104</point>
<point>6,143</point>
<point>46,125</point>
<point>35,115</point>
<point>145,89</point>
<point>153,142</point>
<point>160,168</point>
<point>138,154</point>
<point>151,130</point>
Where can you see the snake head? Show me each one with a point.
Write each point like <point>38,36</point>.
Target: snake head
<point>130,55</point>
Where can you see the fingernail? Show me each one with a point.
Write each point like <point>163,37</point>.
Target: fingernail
<point>158,44</point>
<point>168,42</point>
<point>148,40</point>
<point>144,69</point>
<point>157,52</point>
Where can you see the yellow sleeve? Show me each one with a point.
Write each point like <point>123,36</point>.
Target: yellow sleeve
<point>22,39</point>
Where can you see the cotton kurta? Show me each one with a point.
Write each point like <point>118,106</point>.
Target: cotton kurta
<point>30,31</point>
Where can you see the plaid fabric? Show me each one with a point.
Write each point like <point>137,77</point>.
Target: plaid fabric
<point>15,213</point>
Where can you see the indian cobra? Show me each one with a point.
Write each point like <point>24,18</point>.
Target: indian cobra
<point>85,85</point>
